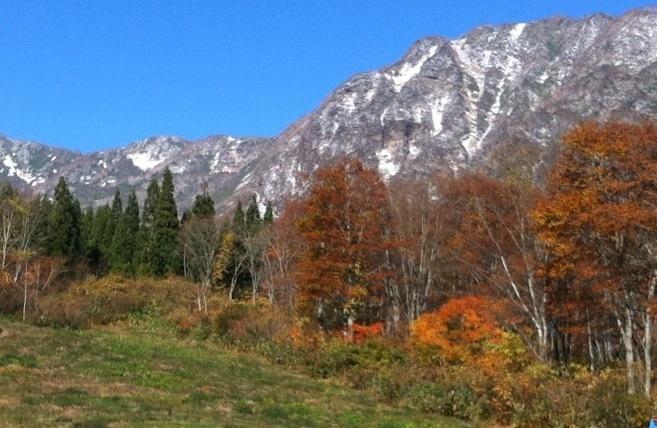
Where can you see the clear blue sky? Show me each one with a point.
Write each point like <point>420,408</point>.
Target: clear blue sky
<point>90,75</point>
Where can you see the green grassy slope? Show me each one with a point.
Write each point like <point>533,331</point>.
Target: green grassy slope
<point>56,377</point>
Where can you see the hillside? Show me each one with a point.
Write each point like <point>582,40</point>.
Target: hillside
<point>132,377</point>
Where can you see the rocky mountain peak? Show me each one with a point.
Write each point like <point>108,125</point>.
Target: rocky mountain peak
<point>496,98</point>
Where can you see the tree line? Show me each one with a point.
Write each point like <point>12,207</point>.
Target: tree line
<point>568,266</point>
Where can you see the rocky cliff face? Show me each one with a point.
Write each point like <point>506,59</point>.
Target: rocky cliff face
<point>497,98</point>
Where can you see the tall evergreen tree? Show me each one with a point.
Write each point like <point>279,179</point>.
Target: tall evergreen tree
<point>186,217</point>
<point>86,228</point>
<point>115,216</point>
<point>239,218</point>
<point>253,215</point>
<point>98,250</point>
<point>165,228</point>
<point>41,233</point>
<point>77,221</point>
<point>146,239</point>
<point>203,206</point>
<point>125,238</point>
<point>269,214</point>
<point>63,224</point>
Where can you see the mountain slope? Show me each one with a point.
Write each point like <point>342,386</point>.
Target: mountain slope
<point>459,103</point>
<point>498,97</point>
<point>127,376</point>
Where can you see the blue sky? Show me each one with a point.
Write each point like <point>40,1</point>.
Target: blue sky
<point>91,75</point>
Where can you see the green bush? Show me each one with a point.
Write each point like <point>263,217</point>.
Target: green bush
<point>457,400</point>
<point>338,357</point>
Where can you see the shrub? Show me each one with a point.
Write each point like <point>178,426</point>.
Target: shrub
<point>252,323</point>
<point>460,329</point>
<point>456,399</point>
<point>112,298</point>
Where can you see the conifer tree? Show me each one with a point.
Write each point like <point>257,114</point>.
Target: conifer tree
<point>98,251</point>
<point>146,239</point>
<point>186,216</point>
<point>238,218</point>
<point>86,228</point>
<point>116,213</point>
<point>253,215</point>
<point>203,206</point>
<point>77,220</point>
<point>165,229</point>
<point>40,239</point>
<point>125,238</point>
<point>269,214</point>
<point>63,224</point>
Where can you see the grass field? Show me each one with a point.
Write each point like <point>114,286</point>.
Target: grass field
<point>132,377</point>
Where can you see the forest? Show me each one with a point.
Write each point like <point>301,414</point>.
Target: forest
<point>485,298</point>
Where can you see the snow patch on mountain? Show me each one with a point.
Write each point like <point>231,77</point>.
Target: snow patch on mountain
<point>408,71</point>
<point>145,160</point>
<point>387,165</point>
<point>14,170</point>
<point>517,31</point>
<point>437,113</point>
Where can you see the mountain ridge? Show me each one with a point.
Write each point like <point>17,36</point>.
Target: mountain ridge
<point>447,104</point>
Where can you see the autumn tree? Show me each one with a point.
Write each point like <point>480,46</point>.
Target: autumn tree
<point>342,270</point>
<point>421,260</point>
<point>282,249</point>
<point>599,221</point>
<point>494,243</point>
<point>201,245</point>
<point>460,329</point>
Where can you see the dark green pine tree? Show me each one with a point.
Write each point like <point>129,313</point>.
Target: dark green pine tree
<point>87,228</point>
<point>165,231</point>
<point>98,251</point>
<point>269,214</point>
<point>239,222</point>
<point>115,211</point>
<point>185,217</point>
<point>124,244</point>
<point>152,196</point>
<point>253,215</point>
<point>146,238</point>
<point>43,207</point>
<point>77,220</point>
<point>203,206</point>
<point>63,224</point>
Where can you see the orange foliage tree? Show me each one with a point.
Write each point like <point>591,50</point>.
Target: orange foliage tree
<point>460,328</point>
<point>599,222</point>
<point>343,267</point>
<point>494,244</point>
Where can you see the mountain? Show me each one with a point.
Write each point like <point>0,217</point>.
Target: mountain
<point>222,161</point>
<point>497,98</point>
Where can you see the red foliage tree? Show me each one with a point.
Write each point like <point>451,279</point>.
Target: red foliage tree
<point>343,267</point>
<point>600,223</point>
<point>494,244</point>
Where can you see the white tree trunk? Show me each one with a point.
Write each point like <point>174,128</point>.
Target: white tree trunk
<point>627,332</point>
